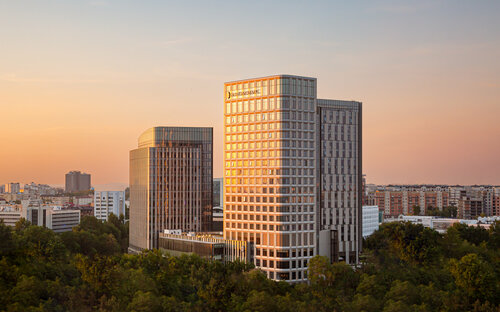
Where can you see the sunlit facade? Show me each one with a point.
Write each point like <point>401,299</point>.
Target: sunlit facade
<point>269,171</point>
<point>170,183</point>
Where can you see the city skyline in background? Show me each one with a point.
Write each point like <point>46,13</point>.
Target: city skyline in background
<point>79,81</point>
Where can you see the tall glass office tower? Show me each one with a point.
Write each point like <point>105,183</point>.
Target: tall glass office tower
<point>170,183</point>
<point>272,172</point>
<point>269,171</point>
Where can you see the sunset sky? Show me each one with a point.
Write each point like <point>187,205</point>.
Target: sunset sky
<point>81,80</point>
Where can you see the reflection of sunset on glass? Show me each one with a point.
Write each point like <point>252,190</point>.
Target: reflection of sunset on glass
<point>79,81</point>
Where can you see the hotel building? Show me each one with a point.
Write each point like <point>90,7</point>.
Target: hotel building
<point>272,175</point>
<point>170,183</point>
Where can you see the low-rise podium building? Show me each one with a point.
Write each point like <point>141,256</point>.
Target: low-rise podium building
<point>209,246</point>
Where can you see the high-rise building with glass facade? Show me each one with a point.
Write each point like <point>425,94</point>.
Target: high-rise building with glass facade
<point>170,183</point>
<point>272,174</point>
<point>269,171</point>
<point>340,191</point>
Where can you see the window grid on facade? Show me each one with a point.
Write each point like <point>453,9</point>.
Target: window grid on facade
<point>170,183</point>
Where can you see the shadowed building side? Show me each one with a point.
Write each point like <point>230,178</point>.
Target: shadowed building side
<point>340,195</point>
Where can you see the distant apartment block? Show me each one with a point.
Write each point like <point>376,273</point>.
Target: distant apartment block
<point>12,188</point>
<point>455,194</point>
<point>77,181</point>
<point>40,189</point>
<point>170,183</point>
<point>489,205</point>
<point>107,202</point>
<point>496,206</point>
<point>395,203</point>
<point>471,201</point>
<point>34,211</point>
<point>370,220</point>
<point>470,208</point>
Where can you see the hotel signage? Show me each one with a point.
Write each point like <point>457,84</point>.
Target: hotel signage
<point>235,94</point>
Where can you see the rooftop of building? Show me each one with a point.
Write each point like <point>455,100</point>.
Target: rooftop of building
<point>271,76</point>
<point>159,135</point>
<point>341,103</point>
<point>77,172</point>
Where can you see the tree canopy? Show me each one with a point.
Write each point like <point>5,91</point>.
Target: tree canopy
<point>406,267</point>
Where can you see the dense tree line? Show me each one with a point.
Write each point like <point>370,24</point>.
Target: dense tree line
<point>405,268</point>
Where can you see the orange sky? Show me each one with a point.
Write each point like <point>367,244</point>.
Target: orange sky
<point>80,82</point>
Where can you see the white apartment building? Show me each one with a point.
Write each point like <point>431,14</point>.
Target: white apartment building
<point>62,220</point>
<point>370,220</point>
<point>9,214</point>
<point>52,217</point>
<point>107,202</point>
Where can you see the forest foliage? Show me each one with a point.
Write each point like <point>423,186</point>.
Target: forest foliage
<point>405,267</point>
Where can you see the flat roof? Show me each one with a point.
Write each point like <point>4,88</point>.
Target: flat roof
<point>190,240</point>
<point>271,76</point>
